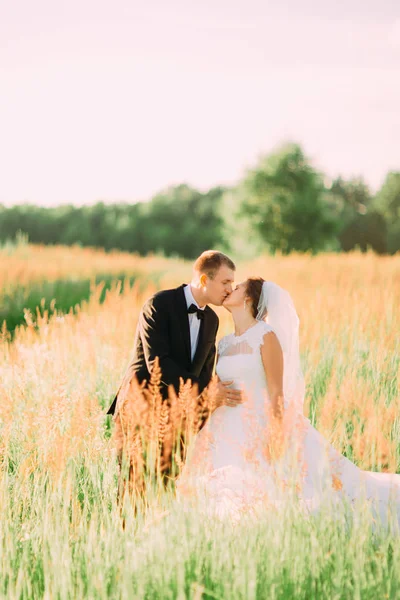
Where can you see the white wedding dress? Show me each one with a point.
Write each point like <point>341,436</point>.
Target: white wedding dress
<point>229,468</point>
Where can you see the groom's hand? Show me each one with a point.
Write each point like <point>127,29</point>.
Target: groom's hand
<point>226,396</point>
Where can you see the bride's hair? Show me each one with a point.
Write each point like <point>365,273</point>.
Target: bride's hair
<point>253,291</point>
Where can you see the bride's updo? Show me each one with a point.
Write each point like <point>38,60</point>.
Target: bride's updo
<point>253,291</point>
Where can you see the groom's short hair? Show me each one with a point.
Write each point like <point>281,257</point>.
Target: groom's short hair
<point>210,261</point>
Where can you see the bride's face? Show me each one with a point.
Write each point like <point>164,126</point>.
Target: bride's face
<point>236,298</point>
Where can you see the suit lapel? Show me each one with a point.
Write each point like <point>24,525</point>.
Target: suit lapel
<point>203,337</point>
<point>183,318</point>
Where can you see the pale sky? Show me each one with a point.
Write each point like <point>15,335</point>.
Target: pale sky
<point>115,100</point>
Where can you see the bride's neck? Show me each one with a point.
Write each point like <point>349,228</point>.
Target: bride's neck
<point>242,321</point>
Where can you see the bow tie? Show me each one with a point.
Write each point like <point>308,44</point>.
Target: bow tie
<point>193,309</point>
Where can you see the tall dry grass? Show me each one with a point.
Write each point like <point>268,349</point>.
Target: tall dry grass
<point>32,263</point>
<point>59,477</point>
<point>59,377</point>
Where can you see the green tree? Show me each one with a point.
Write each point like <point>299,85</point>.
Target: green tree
<point>182,221</point>
<point>350,197</point>
<point>284,199</point>
<point>359,225</point>
<point>387,203</point>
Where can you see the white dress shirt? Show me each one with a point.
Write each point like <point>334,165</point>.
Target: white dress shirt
<point>194,321</point>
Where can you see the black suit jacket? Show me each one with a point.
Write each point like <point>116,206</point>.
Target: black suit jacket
<point>163,332</point>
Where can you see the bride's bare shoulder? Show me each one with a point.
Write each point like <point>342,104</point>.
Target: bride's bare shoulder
<point>270,344</point>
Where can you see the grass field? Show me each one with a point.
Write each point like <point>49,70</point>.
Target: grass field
<point>61,278</point>
<point>62,534</point>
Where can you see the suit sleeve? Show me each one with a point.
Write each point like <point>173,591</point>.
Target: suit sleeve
<point>153,330</point>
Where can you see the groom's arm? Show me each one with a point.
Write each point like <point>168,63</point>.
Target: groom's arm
<point>207,370</point>
<point>204,380</point>
<point>154,333</point>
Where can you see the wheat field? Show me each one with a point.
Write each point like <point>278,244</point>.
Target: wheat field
<point>26,264</point>
<point>65,533</point>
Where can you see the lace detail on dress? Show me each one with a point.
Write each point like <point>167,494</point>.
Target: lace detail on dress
<point>223,344</point>
<point>247,343</point>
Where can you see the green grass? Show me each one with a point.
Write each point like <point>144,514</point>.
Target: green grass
<point>59,295</point>
<point>55,547</point>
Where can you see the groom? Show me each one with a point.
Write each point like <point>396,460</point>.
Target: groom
<point>179,328</point>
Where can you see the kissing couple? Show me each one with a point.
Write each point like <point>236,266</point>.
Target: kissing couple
<point>257,441</point>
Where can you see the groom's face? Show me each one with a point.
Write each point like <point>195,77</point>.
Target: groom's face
<point>219,288</point>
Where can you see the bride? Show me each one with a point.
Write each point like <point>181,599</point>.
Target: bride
<point>255,452</point>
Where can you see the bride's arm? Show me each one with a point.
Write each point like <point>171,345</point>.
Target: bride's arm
<point>272,358</point>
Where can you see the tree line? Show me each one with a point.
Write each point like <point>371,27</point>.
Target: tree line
<point>282,204</point>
